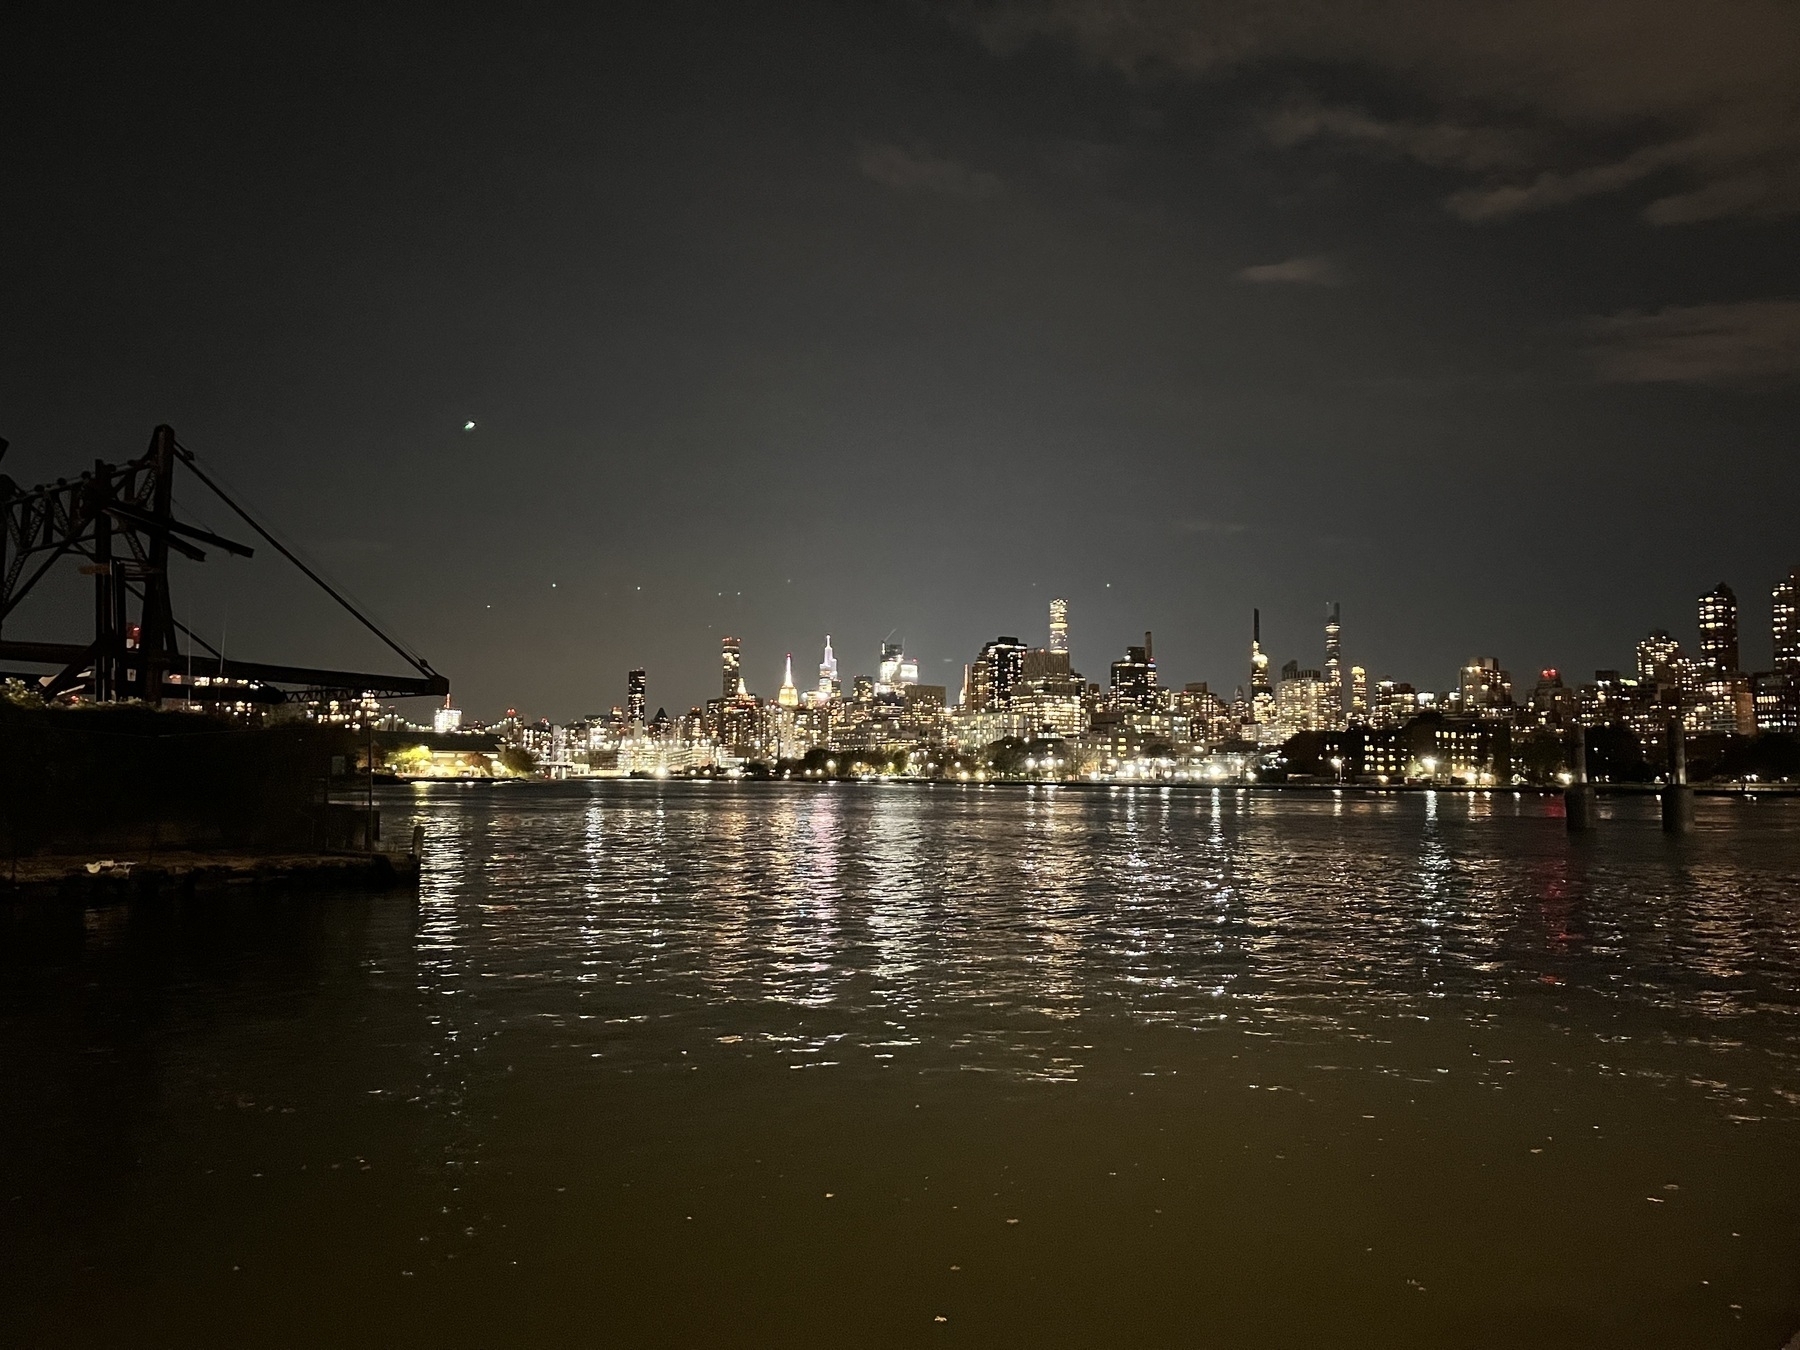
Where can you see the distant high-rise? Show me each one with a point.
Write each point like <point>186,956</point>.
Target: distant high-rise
<point>996,673</point>
<point>634,698</point>
<point>731,667</point>
<point>446,718</point>
<point>1059,625</point>
<point>829,688</point>
<point>1786,623</point>
<point>1484,688</point>
<point>1262,696</point>
<point>1719,630</point>
<point>788,697</point>
<point>1659,659</point>
<point>896,671</point>
<point>1334,668</point>
<point>1134,678</point>
<point>1359,696</point>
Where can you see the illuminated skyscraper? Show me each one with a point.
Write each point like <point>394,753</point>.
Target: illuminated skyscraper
<point>1334,669</point>
<point>1485,689</point>
<point>731,663</point>
<point>990,681</point>
<point>1262,696</point>
<point>1659,660</point>
<point>1786,623</point>
<point>1134,678</point>
<point>1059,625</point>
<point>634,698</point>
<point>1719,630</point>
<point>1359,696</point>
<point>788,697</point>
<point>446,718</point>
<point>896,671</point>
<point>829,688</point>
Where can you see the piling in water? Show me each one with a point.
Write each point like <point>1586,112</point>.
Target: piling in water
<point>1677,796</point>
<point>1578,798</point>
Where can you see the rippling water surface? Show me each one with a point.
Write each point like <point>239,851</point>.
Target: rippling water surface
<point>703,1064</point>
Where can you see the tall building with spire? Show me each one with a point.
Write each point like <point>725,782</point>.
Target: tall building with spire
<point>731,667</point>
<point>1334,669</point>
<point>1262,694</point>
<point>1059,625</point>
<point>788,696</point>
<point>830,690</point>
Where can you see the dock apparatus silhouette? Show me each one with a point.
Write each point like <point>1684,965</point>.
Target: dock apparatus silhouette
<point>120,519</point>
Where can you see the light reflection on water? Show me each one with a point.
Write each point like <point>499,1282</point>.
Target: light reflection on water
<point>1259,1069</point>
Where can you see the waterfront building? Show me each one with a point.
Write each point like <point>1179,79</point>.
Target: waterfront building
<point>635,687</point>
<point>1719,630</point>
<point>446,719</point>
<point>1059,626</point>
<point>977,728</point>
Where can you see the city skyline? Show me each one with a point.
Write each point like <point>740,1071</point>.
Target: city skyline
<point>570,342</point>
<point>1023,709</point>
<point>1780,635</point>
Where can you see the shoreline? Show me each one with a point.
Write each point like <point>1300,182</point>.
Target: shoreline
<point>1754,790</point>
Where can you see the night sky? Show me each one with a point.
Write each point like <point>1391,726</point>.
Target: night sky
<point>1482,319</point>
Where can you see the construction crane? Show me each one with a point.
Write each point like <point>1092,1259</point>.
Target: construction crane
<point>120,518</point>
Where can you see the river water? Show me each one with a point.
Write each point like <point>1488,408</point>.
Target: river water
<point>774,1065</point>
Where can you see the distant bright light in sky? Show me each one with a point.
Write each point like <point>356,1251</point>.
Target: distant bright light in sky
<point>468,426</point>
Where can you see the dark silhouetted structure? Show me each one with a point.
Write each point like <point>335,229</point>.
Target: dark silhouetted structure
<point>120,518</point>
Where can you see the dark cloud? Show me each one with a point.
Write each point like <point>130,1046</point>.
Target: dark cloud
<point>1753,342</point>
<point>906,170</point>
<point>1314,269</point>
<point>1540,101</point>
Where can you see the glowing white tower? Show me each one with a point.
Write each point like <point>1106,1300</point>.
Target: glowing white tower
<point>829,688</point>
<point>1059,625</point>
